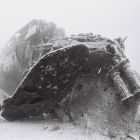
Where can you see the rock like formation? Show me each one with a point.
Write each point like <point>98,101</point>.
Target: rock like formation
<point>86,79</point>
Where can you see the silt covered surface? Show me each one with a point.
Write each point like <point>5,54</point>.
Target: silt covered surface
<point>95,104</point>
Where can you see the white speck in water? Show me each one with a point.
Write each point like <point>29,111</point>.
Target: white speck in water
<point>99,71</point>
<point>44,114</point>
<point>42,78</point>
<point>55,87</point>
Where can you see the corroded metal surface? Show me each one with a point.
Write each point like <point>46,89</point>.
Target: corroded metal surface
<point>51,79</point>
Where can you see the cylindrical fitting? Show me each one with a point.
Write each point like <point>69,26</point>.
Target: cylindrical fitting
<point>132,78</point>
<point>120,85</point>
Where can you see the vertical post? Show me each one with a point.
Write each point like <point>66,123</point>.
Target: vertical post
<point>132,78</point>
<point>120,85</point>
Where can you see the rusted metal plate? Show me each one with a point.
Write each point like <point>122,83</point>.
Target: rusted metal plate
<point>48,82</point>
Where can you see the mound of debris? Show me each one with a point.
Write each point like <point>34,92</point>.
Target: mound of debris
<point>85,79</point>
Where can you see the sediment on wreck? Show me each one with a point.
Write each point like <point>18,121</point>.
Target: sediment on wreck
<point>95,104</point>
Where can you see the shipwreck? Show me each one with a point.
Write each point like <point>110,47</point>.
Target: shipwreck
<point>86,77</point>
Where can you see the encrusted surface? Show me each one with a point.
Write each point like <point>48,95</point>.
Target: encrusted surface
<point>48,82</point>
